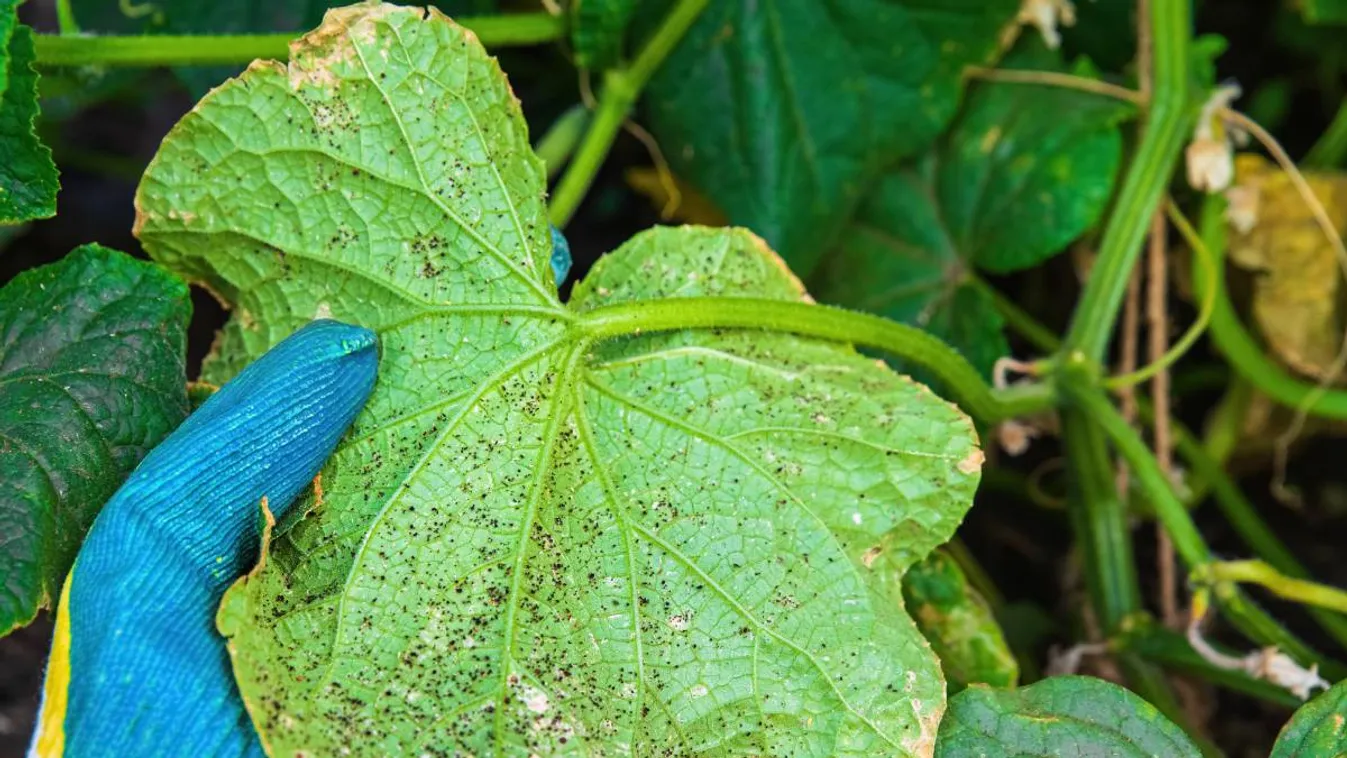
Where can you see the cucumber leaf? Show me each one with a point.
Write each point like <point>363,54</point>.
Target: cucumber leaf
<point>1317,729</point>
<point>28,177</point>
<point>1061,717</point>
<point>92,375</point>
<point>783,113</point>
<point>535,541</point>
<point>957,622</point>
<point>1025,170</point>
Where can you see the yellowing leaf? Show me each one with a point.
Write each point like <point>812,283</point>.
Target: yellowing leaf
<point>1299,278</point>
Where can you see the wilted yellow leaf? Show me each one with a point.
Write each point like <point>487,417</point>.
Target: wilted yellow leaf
<point>1299,285</point>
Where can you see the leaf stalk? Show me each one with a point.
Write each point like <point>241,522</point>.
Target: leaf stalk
<point>514,29</point>
<point>829,323</point>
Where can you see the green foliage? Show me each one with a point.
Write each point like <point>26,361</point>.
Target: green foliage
<point>1024,170</point>
<point>635,523</point>
<point>598,28</point>
<point>9,21</point>
<point>954,618</point>
<point>782,114</point>
<point>1106,31</point>
<point>28,182</point>
<point>1318,729</point>
<point>1323,11</point>
<point>90,380</point>
<point>1061,717</point>
<point>535,542</point>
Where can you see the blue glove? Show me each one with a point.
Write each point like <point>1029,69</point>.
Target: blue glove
<point>137,667</point>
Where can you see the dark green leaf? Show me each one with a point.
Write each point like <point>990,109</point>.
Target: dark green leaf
<point>92,376</point>
<point>1318,729</point>
<point>597,31</point>
<point>1105,31</point>
<point>1027,169</point>
<point>1061,717</point>
<point>898,259</point>
<point>9,20</point>
<point>954,618</point>
<point>1323,11</point>
<point>1024,171</point>
<point>782,113</point>
<point>28,182</point>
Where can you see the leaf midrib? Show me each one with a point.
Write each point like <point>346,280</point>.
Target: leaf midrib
<point>560,411</point>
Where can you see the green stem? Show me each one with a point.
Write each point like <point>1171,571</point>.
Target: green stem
<point>65,18</point>
<point>977,576</point>
<point>1167,121</point>
<point>1168,508</point>
<point>1236,508</point>
<point>621,88</point>
<point>1099,520</point>
<point>1331,147</point>
<point>204,50</point>
<point>1286,587</point>
<point>1184,343</point>
<point>1226,423</point>
<point>1243,613</point>
<point>1243,352</point>
<point>829,323</point>
<point>1244,518</point>
<point>558,143</point>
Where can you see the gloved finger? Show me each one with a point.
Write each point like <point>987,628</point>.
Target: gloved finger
<point>137,667</point>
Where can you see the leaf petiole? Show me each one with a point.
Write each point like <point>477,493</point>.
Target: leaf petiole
<point>829,323</point>
<point>1263,574</point>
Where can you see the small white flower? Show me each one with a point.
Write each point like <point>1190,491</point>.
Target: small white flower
<point>1211,164</point>
<point>1210,157</point>
<point>1045,15</point>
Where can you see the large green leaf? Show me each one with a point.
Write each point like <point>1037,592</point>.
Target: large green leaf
<point>534,542</point>
<point>1061,717</point>
<point>1318,729</point>
<point>92,376</point>
<point>1024,171</point>
<point>955,619</point>
<point>783,112</point>
<point>28,182</point>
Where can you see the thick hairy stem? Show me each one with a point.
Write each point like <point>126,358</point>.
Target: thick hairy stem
<point>970,390</point>
<point>1168,116</point>
<point>203,50</point>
